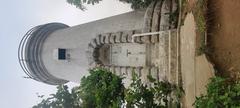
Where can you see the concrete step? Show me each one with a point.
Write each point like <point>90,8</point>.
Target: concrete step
<point>148,22</point>
<point>165,16</point>
<point>98,40</point>
<point>107,38</point>
<point>156,21</point>
<point>118,36</point>
<point>93,43</point>
<point>126,36</point>
<point>138,39</point>
<point>160,56</point>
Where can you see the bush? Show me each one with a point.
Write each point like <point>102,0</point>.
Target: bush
<point>101,89</point>
<point>62,99</point>
<point>159,94</point>
<point>221,93</point>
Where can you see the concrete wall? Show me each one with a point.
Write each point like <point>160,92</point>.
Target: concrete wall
<point>75,39</point>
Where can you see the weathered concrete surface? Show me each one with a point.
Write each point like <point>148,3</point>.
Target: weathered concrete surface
<point>76,39</point>
<point>187,50</point>
<point>128,54</point>
<point>156,21</point>
<point>165,16</point>
<point>204,71</point>
<point>173,57</point>
<point>196,71</point>
<point>148,21</point>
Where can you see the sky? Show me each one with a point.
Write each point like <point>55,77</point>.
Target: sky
<point>19,16</point>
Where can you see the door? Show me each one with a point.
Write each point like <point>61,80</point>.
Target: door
<point>128,54</point>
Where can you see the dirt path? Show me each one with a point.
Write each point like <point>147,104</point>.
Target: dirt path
<point>224,35</point>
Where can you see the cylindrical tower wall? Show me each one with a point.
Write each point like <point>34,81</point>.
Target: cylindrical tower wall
<point>75,40</point>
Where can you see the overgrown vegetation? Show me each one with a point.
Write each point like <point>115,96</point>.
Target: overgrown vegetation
<point>102,89</point>
<point>135,4</point>
<point>62,99</point>
<point>221,93</point>
<point>159,94</point>
<point>199,12</point>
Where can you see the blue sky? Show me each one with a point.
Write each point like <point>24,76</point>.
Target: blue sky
<point>17,17</point>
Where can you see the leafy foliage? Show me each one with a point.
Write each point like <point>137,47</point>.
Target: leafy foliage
<point>135,4</point>
<point>221,93</point>
<point>138,4</point>
<point>101,89</point>
<point>62,99</point>
<point>80,3</point>
<point>158,95</point>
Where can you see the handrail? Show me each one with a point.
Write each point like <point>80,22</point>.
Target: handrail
<point>21,52</point>
<point>147,34</point>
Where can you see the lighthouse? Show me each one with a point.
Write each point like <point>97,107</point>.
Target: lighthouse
<point>142,41</point>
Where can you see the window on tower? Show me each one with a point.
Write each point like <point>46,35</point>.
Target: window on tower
<point>61,54</point>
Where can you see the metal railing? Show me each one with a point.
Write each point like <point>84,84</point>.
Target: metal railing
<point>21,53</point>
<point>29,53</point>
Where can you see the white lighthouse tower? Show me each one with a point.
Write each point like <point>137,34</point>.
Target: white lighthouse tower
<point>55,53</point>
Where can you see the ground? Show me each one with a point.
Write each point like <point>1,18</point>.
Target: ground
<point>223,38</point>
<point>223,46</point>
<point>196,70</point>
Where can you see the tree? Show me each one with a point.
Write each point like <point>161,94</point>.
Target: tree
<point>80,3</point>
<point>221,93</point>
<point>62,99</point>
<point>101,89</point>
<point>135,4</point>
<point>159,94</point>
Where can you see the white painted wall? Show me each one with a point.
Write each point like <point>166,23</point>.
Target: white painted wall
<point>76,38</point>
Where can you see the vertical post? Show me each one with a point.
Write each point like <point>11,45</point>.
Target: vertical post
<point>169,56</point>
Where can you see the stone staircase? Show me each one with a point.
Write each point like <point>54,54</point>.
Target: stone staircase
<point>161,49</point>
<point>161,60</point>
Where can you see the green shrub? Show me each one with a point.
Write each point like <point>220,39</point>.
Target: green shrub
<point>159,94</point>
<point>62,99</point>
<point>221,93</point>
<point>101,89</point>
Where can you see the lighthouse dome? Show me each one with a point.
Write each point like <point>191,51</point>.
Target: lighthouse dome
<point>29,53</point>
